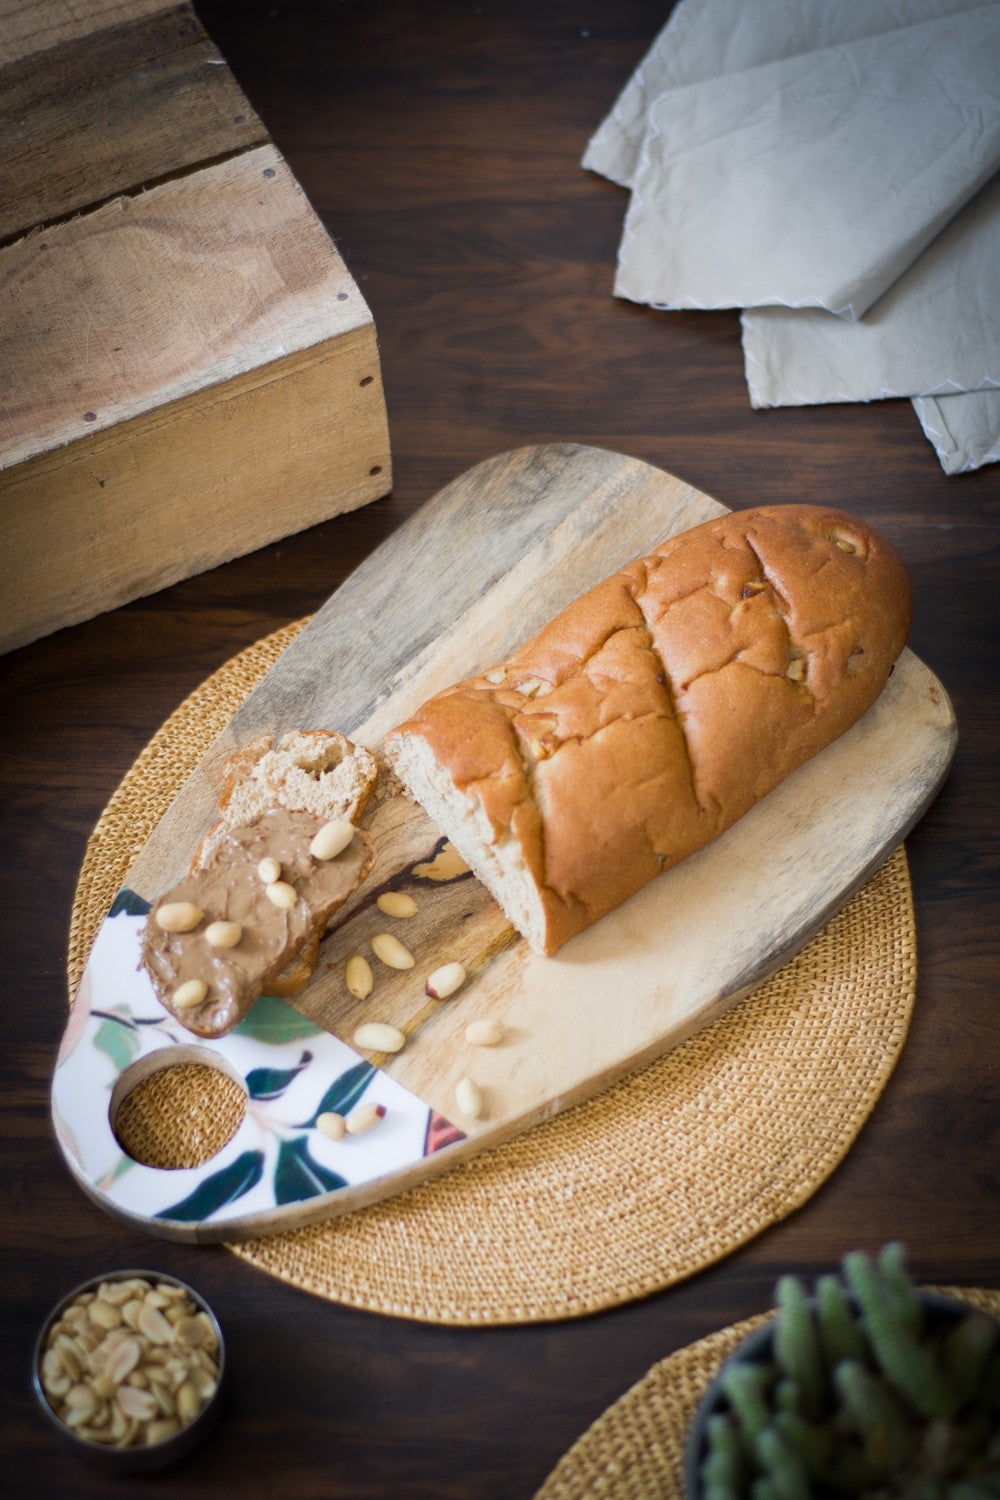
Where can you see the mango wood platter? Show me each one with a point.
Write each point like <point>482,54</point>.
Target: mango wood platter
<point>476,571</point>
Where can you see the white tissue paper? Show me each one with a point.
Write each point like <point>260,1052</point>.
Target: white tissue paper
<point>816,180</point>
<point>792,156</point>
<point>713,37</point>
<point>934,332</point>
<point>965,429</point>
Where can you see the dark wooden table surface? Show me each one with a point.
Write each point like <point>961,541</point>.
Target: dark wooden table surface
<point>440,143</point>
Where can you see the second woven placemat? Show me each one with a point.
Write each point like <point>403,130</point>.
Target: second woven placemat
<point>624,1195</point>
<point>635,1449</point>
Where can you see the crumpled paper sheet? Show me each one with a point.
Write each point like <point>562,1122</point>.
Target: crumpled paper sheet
<point>965,429</point>
<point>707,40</point>
<point>814,181</point>
<point>934,332</point>
<point>714,37</point>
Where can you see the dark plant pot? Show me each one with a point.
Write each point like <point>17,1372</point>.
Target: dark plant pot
<point>758,1348</point>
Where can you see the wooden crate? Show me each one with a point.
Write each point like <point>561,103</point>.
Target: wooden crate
<point>188,369</point>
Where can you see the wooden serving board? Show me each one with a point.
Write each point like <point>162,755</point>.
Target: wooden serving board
<point>480,568</point>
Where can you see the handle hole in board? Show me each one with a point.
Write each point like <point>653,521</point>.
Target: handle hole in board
<point>177,1109</point>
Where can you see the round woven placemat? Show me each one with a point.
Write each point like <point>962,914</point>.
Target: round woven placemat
<point>635,1450</point>
<point>652,1180</point>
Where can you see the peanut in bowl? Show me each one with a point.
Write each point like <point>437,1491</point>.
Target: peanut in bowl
<point>131,1370</point>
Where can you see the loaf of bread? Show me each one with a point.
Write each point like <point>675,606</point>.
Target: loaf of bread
<point>265,881</point>
<point>656,710</point>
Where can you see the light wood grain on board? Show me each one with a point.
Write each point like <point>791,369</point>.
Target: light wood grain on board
<point>87,117</point>
<point>474,572</point>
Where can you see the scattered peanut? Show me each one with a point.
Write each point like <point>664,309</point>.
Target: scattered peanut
<point>396,904</point>
<point>844,544</point>
<point>332,1125</point>
<point>178,916</point>
<point>391,951</point>
<point>363,1117</point>
<point>530,686</point>
<point>358,977</point>
<point>189,994</point>
<point>495,675</point>
<point>137,1403</point>
<point>796,669</point>
<point>486,1032</point>
<point>282,895</point>
<point>105,1316</point>
<point>154,1325</point>
<point>159,1431</point>
<point>332,839</point>
<point>269,869</point>
<point>379,1036</point>
<point>122,1388</point>
<point>445,981</point>
<point>469,1098</point>
<point>223,934</point>
<point>188,1401</point>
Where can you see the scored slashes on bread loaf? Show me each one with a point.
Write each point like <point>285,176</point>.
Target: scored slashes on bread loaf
<point>653,712</point>
<point>217,940</point>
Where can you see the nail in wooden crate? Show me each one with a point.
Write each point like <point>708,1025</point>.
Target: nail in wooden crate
<point>187,369</point>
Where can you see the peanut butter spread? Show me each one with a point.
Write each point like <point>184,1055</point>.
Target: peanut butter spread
<point>236,939</point>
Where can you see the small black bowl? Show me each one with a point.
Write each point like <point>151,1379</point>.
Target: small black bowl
<point>136,1457</point>
<point>758,1348</point>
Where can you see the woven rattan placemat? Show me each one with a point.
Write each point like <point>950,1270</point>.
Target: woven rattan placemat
<point>652,1180</point>
<point>635,1449</point>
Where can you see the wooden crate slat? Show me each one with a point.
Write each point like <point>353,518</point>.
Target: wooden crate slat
<point>28,26</point>
<point>174,290</point>
<point>139,101</point>
<point>190,370</point>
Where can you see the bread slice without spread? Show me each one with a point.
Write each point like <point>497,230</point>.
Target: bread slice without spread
<point>652,713</point>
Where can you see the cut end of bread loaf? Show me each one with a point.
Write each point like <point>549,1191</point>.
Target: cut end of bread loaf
<point>500,865</point>
<point>318,771</point>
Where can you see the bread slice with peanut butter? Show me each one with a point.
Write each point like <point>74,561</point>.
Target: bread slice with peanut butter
<point>307,770</point>
<point>265,881</point>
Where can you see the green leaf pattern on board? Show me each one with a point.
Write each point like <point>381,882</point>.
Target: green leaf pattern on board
<point>128,903</point>
<point>297,1175</point>
<point>271,1020</point>
<point>271,1083</point>
<point>222,1187</point>
<point>118,1042</point>
<point>343,1093</point>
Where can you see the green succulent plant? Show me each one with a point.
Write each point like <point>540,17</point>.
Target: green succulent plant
<point>866,1387</point>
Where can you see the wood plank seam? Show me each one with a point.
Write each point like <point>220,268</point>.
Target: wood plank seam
<point>177,174</point>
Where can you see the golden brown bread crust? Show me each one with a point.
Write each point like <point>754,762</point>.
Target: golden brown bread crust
<point>653,712</point>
